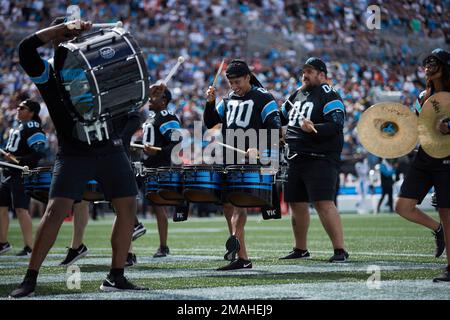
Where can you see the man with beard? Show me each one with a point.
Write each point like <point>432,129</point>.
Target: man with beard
<point>315,118</point>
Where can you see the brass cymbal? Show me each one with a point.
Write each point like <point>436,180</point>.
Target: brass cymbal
<point>434,110</point>
<point>388,130</point>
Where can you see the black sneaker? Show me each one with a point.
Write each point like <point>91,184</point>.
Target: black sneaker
<point>25,252</point>
<point>232,245</point>
<point>161,252</point>
<point>297,254</point>
<point>339,256</point>
<point>119,283</point>
<point>237,264</point>
<point>74,255</point>
<point>138,231</point>
<point>131,260</point>
<point>440,241</point>
<point>434,200</point>
<point>444,277</point>
<point>26,289</point>
<point>5,247</point>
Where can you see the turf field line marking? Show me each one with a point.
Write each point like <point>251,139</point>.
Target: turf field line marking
<point>350,290</point>
<point>261,270</point>
<point>218,250</point>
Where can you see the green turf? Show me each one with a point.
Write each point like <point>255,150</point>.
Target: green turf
<point>384,240</point>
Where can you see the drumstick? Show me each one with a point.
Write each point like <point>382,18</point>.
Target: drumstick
<point>141,146</point>
<point>6,164</point>
<point>117,24</point>
<point>75,24</point>
<point>11,156</point>
<point>302,117</point>
<point>232,148</point>
<point>173,70</point>
<point>218,73</point>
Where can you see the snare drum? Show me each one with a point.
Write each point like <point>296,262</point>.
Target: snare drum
<point>203,183</point>
<point>37,183</point>
<point>152,187</point>
<point>248,186</point>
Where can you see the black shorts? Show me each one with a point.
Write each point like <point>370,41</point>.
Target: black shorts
<point>418,182</point>
<point>112,171</point>
<point>311,179</point>
<point>12,192</point>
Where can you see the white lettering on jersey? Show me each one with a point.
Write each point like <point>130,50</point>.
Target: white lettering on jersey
<point>13,141</point>
<point>298,112</point>
<point>239,112</point>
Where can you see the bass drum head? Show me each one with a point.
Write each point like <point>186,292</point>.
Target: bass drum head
<point>77,86</point>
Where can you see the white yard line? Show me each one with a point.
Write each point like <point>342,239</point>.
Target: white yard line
<point>389,290</point>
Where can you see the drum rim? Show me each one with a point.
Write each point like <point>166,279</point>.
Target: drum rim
<point>167,168</point>
<point>42,169</point>
<point>202,166</point>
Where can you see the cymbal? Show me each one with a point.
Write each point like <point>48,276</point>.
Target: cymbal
<point>434,110</point>
<point>388,130</point>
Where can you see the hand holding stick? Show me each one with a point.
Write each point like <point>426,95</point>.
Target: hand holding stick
<point>311,125</point>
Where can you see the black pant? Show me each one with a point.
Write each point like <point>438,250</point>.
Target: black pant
<point>386,190</point>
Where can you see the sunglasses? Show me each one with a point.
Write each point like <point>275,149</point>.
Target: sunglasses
<point>23,108</point>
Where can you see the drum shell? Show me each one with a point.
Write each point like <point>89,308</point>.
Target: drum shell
<point>247,187</point>
<point>93,192</point>
<point>93,82</point>
<point>37,183</point>
<point>152,187</point>
<point>170,181</point>
<point>203,183</point>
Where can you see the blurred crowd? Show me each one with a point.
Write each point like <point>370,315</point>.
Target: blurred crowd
<point>274,36</point>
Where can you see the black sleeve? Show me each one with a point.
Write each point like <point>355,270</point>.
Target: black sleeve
<point>210,115</point>
<point>285,108</point>
<point>29,58</point>
<point>38,152</point>
<point>134,122</point>
<point>334,124</point>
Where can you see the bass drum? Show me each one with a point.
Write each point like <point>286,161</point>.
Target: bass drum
<point>102,74</point>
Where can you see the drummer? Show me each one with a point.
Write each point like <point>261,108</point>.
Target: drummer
<point>426,171</point>
<point>77,162</point>
<point>257,110</point>
<point>25,147</point>
<point>158,130</point>
<point>315,116</point>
